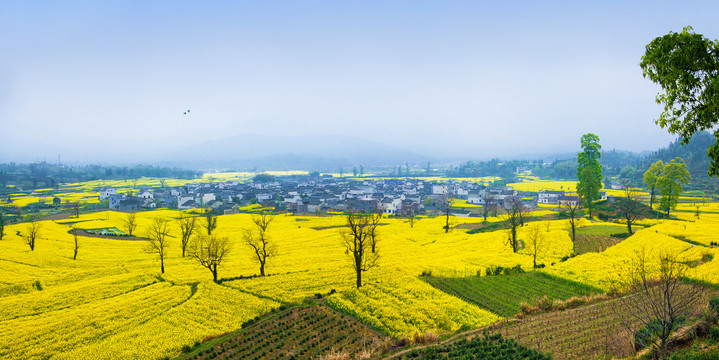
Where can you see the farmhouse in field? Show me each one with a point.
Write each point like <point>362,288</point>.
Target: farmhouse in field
<point>549,196</point>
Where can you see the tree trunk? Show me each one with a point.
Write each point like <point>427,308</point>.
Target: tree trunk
<point>514,238</point>
<point>446,227</point>
<point>214,272</point>
<point>162,265</point>
<point>262,269</point>
<point>663,349</point>
<point>629,226</point>
<point>651,198</point>
<point>359,278</point>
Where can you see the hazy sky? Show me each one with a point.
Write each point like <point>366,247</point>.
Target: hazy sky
<point>98,79</point>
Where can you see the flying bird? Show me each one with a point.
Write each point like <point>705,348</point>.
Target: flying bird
<point>185,113</point>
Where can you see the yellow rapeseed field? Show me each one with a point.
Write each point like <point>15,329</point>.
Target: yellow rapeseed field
<point>112,302</point>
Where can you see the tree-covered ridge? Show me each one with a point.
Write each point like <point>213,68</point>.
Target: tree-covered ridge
<point>44,175</point>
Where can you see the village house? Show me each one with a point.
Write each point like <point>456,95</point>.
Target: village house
<point>440,189</point>
<point>568,200</point>
<point>145,194</point>
<point>549,197</point>
<point>391,206</point>
<point>106,193</point>
<point>477,198</point>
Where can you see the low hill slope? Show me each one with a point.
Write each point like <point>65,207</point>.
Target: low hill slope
<point>503,294</point>
<point>302,332</point>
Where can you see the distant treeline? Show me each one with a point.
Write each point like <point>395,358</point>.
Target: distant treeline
<point>46,175</point>
<point>505,170</point>
<point>617,165</point>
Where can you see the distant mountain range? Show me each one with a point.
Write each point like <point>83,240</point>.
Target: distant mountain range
<point>311,152</point>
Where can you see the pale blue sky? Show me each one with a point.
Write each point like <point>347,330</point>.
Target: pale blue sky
<point>469,78</point>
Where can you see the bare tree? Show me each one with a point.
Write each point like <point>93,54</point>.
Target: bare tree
<point>356,237</point>
<point>210,221</point>
<point>629,206</point>
<point>77,244</point>
<point>2,225</point>
<point>572,208</point>
<point>375,218</point>
<point>130,223</point>
<point>488,206</point>
<point>411,215</point>
<point>157,242</point>
<point>660,304</point>
<point>445,204</point>
<point>536,243</point>
<point>188,226</point>
<point>514,219</point>
<point>260,243</point>
<point>209,251</point>
<point>32,233</point>
<point>491,204</point>
<point>76,209</point>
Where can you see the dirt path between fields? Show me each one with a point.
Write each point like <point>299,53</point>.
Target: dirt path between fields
<point>81,232</point>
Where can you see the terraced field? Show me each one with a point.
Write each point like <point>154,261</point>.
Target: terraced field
<point>493,347</point>
<point>503,294</point>
<point>590,332</point>
<point>599,238</point>
<point>304,332</point>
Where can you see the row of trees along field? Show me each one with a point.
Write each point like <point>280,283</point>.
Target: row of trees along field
<point>359,235</point>
<point>47,175</point>
<point>198,242</point>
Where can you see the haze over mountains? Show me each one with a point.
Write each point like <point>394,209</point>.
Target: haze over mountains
<point>268,152</point>
<point>325,152</point>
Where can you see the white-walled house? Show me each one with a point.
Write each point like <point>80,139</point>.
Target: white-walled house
<point>186,202</point>
<point>106,193</point>
<point>145,194</point>
<point>549,197</point>
<point>461,192</point>
<point>114,201</point>
<point>391,206</point>
<point>568,200</point>
<point>477,198</point>
<point>206,198</point>
<point>440,189</point>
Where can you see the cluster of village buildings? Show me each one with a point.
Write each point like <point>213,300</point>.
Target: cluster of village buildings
<point>305,194</point>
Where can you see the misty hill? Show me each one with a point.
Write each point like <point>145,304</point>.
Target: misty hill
<point>311,152</point>
<point>695,156</point>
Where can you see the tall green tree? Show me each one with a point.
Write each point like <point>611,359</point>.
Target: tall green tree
<point>686,66</point>
<point>670,183</point>
<point>651,176</point>
<point>589,171</point>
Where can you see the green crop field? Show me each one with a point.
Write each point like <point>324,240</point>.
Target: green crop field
<point>490,348</point>
<point>502,294</point>
<point>304,332</point>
